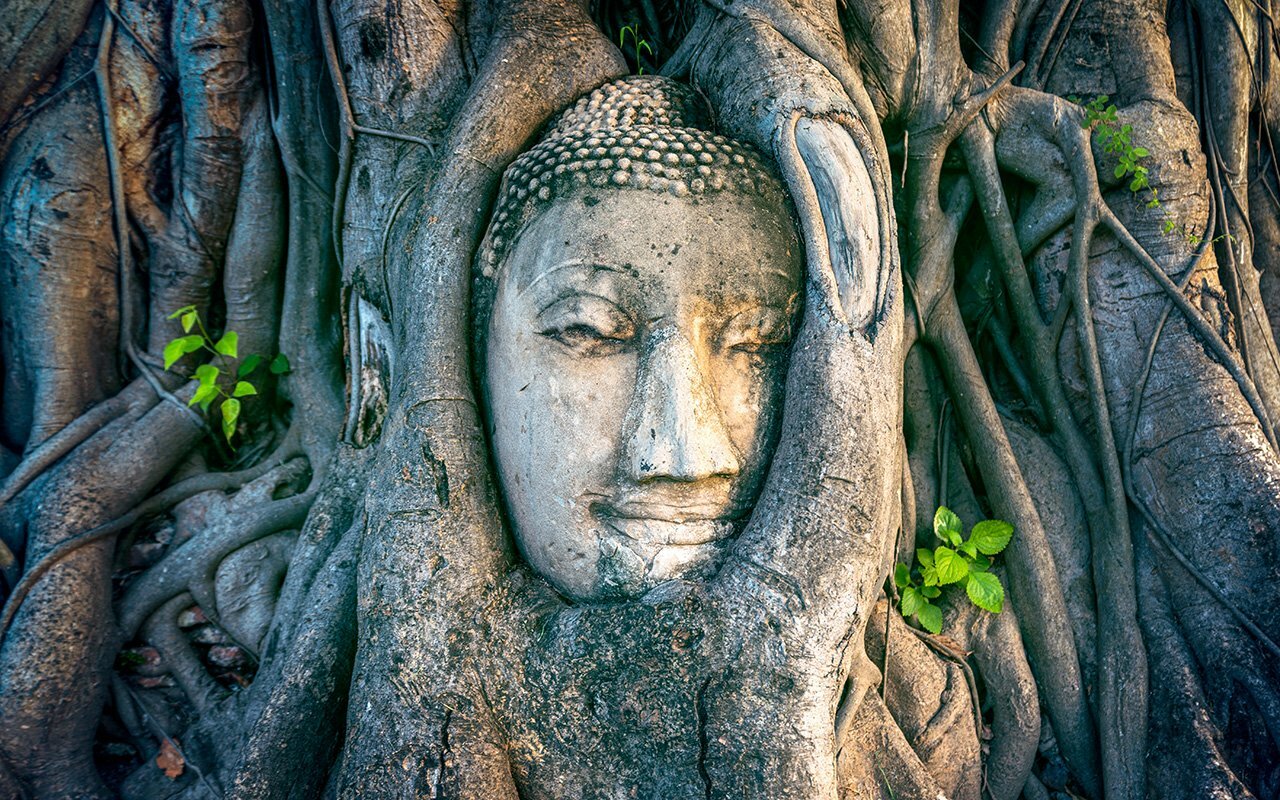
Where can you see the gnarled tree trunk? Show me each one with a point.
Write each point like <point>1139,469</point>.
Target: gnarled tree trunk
<point>1017,304</point>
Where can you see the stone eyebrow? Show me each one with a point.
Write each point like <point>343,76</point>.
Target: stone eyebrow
<point>593,266</point>
<point>570,293</point>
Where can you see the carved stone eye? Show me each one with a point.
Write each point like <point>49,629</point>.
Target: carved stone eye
<point>588,325</point>
<point>756,330</point>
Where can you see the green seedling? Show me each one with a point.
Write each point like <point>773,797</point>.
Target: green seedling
<point>223,351</point>
<point>960,560</point>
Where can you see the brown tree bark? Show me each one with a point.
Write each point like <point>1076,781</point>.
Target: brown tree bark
<point>994,321</point>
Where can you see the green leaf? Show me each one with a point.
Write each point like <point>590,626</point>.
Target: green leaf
<point>969,549</point>
<point>188,319</point>
<point>911,602</point>
<point>204,395</point>
<point>243,389</point>
<point>985,591</point>
<point>280,364</point>
<point>901,576</point>
<point>172,352</point>
<point>947,526</point>
<point>980,563</point>
<point>929,575</point>
<point>207,374</point>
<point>1119,171</point>
<point>931,592</point>
<point>230,413</point>
<point>181,311</point>
<point>951,566</point>
<point>179,347</point>
<point>925,557</point>
<point>227,345</point>
<point>1135,185</point>
<point>930,617</point>
<point>248,365</point>
<point>991,536</point>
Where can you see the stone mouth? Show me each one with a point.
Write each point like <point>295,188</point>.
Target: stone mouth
<point>689,531</point>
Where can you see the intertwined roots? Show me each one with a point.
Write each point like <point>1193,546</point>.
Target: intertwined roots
<point>334,601</point>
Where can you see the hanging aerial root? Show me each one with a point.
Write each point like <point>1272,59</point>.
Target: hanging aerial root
<point>1122,657</point>
<point>1154,528</point>
<point>348,127</point>
<point>1194,764</point>
<point>1211,337</point>
<point>1122,676</point>
<point>1034,583</point>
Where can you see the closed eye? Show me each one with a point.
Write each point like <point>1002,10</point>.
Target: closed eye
<point>580,335</point>
<point>757,330</point>
<point>587,325</point>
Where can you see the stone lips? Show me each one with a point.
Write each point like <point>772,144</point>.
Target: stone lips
<point>636,133</point>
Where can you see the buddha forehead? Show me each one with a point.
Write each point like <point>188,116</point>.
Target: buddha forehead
<point>630,136</point>
<point>718,250</point>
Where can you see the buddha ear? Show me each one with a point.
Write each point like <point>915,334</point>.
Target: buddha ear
<point>841,218</point>
<point>816,120</point>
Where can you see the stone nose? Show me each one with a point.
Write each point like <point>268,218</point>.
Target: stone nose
<point>676,430</point>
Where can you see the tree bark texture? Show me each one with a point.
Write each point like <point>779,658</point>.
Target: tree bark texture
<point>996,319</point>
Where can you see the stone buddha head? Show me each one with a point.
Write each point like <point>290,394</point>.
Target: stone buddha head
<point>636,294</point>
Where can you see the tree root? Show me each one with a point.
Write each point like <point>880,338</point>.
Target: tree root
<point>228,526</point>
<point>47,453</point>
<point>214,481</point>
<point>162,632</point>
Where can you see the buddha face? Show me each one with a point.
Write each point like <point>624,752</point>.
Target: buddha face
<point>633,374</point>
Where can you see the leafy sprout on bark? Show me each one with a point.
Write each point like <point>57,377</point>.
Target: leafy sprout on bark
<point>640,44</point>
<point>958,560</point>
<point>224,349</point>
<point>1100,117</point>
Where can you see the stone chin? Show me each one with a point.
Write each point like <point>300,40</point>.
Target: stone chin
<point>628,568</point>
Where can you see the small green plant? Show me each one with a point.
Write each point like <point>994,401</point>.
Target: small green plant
<point>958,560</point>
<point>640,42</point>
<point>884,778</point>
<point>1100,117</point>
<point>222,350</point>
